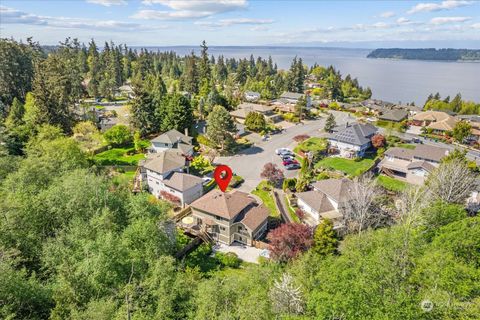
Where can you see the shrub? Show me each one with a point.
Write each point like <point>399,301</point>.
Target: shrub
<point>301,137</point>
<point>289,184</point>
<point>118,135</point>
<point>201,139</point>
<point>299,212</point>
<point>255,121</point>
<point>229,259</point>
<point>170,197</point>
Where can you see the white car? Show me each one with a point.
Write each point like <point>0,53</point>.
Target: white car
<point>283,151</point>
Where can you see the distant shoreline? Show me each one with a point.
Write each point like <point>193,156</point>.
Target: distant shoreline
<point>428,54</point>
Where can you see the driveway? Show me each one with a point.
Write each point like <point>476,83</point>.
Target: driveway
<point>249,163</point>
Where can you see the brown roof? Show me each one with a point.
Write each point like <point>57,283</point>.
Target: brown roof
<point>182,181</point>
<point>172,136</point>
<point>164,161</point>
<point>255,107</point>
<point>255,217</point>
<point>445,125</point>
<point>421,164</point>
<point>337,189</point>
<point>421,151</point>
<point>226,205</point>
<point>431,116</point>
<point>316,200</point>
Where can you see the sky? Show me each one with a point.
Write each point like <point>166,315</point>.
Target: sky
<point>243,22</point>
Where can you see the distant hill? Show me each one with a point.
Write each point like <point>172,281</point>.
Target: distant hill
<point>427,54</point>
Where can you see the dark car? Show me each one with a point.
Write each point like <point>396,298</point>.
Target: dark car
<point>287,162</point>
<point>287,157</point>
<point>416,140</point>
<point>292,166</point>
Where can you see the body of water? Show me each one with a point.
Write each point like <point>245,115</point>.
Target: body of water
<point>390,80</point>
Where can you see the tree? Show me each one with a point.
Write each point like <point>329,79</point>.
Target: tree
<point>451,182</point>
<point>287,299</point>
<point>178,113</point>
<point>456,104</point>
<point>461,131</point>
<point>301,137</point>
<point>301,107</point>
<point>15,115</point>
<point>325,240</point>
<point>330,123</point>
<point>221,127</point>
<point>255,121</point>
<point>118,135</point>
<point>272,173</point>
<point>289,240</point>
<point>378,141</point>
<point>204,65</point>
<point>190,76</point>
<point>87,134</point>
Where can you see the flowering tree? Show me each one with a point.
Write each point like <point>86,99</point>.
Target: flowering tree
<point>286,297</point>
<point>272,173</point>
<point>289,240</point>
<point>378,141</point>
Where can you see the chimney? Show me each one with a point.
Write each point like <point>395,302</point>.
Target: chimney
<point>186,132</point>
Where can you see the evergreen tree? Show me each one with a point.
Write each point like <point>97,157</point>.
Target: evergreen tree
<point>221,127</point>
<point>94,72</point>
<point>204,67</point>
<point>255,121</point>
<point>456,104</point>
<point>190,76</point>
<point>330,123</point>
<point>178,113</point>
<point>325,240</point>
<point>15,115</point>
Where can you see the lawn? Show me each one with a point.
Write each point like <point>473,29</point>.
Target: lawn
<point>125,178</point>
<point>311,144</point>
<point>292,213</point>
<point>118,156</point>
<point>391,184</point>
<point>350,167</point>
<point>266,197</point>
<point>406,145</point>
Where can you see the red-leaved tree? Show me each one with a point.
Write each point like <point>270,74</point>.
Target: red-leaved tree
<point>378,141</point>
<point>272,173</point>
<point>289,240</point>
<point>170,197</point>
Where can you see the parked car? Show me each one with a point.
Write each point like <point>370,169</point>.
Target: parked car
<point>292,166</point>
<point>287,162</point>
<point>287,157</point>
<point>416,140</point>
<point>281,151</point>
<point>206,180</point>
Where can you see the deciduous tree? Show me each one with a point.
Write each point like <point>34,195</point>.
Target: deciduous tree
<point>272,173</point>
<point>289,240</point>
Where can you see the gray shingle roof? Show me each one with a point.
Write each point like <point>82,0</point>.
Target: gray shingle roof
<point>356,134</point>
<point>291,95</point>
<point>394,115</point>
<point>421,164</point>
<point>223,204</point>
<point>164,161</point>
<point>421,152</point>
<point>316,200</point>
<point>255,217</point>
<point>172,136</point>
<point>337,189</point>
<point>182,181</point>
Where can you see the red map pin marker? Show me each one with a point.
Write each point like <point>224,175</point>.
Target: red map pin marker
<point>223,174</point>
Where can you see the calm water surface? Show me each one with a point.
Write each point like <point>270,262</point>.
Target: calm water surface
<point>391,80</point>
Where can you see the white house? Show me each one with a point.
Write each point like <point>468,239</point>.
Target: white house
<point>326,200</point>
<point>252,96</point>
<point>172,140</point>
<point>293,97</point>
<point>352,140</point>
<point>165,178</point>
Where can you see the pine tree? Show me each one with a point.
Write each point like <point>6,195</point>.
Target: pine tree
<point>178,113</point>
<point>325,238</point>
<point>204,66</point>
<point>15,115</point>
<point>456,104</point>
<point>190,76</point>
<point>221,127</point>
<point>330,123</point>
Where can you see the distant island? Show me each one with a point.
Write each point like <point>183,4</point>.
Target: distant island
<point>427,54</point>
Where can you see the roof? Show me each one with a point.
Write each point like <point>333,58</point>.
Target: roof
<point>469,117</point>
<point>255,107</point>
<point>172,136</point>
<point>356,134</point>
<point>376,104</point>
<point>445,125</point>
<point>227,205</point>
<point>164,161</point>
<point>394,115</point>
<point>252,93</point>
<point>185,148</point>
<point>421,151</point>
<point>182,181</point>
<point>337,189</point>
<point>421,164</point>
<point>431,116</point>
<point>240,113</point>
<point>291,95</point>
<point>408,107</point>
<point>255,217</point>
<point>316,200</point>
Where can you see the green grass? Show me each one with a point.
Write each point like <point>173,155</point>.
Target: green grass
<point>292,213</point>
<point>118,156</point>
<point>266,198</point>
<point>391,183</point>
<point>347,166</point>
<point>311,144</point>
<point>397,126</point>
<point>124,178</point>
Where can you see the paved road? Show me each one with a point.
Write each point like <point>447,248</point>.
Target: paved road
<point>250,162</point>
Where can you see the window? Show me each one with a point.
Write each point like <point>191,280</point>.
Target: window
<point>222,228</point>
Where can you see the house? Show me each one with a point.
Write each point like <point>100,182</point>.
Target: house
<point>438,121</point>
<point>412,165</point>
<point>172,139</point>
<point>126,90</point>
<point>474,121</point>
<point>230,216</point>
<point>293,97</point>
<point>245,108</point>
<point>352,140</point>
<point>411,109</point>
<point>377,106</point>
<point>395,115</point>
<point>252,96</point>
<point>106,123</point>
<point>326,200</point>
<point>163,173</point>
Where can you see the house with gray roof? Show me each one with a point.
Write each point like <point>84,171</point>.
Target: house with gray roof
<point>172,139</point>
<point>326,201</point>
<point>395,115</point>
<point>412,165</point>
<point>230,216</point>
<point>352,140</point>
<point>251,96</point>
<point>291,98</point>
<point>165,177</point>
